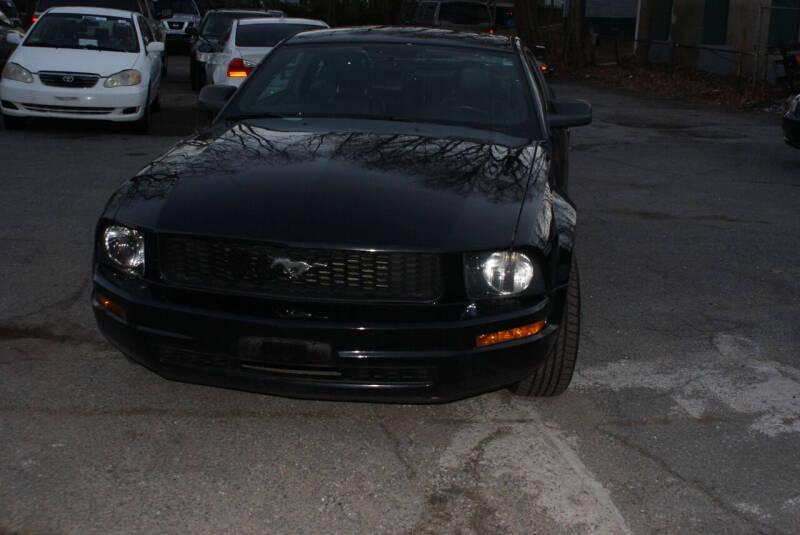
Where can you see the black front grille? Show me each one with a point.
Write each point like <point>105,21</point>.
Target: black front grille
<point>80,110</point>
<point>331,274</point>
<point>68,79</point>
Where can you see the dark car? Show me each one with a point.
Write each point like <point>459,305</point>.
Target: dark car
<point>8,45</point>
<point>791,123</point>
<point>376,214</point>
<point>9,9</point>
<point>205,40</point>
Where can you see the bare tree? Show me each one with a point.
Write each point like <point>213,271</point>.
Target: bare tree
<point>575,33</point>
<point>527,21</point>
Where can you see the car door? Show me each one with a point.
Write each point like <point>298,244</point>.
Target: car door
<point>152,61</point>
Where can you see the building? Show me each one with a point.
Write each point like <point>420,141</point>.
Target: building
<point>738,37</point>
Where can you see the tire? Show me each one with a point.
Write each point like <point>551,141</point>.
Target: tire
<point>13,123</point>
<point>193,74</point>
<point>554,375</point>
<point>142,126</point>
<point>155,107</point>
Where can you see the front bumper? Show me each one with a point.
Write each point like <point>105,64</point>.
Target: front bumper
<point>791,130</point>
<point>96,103</point>
<point>420,362</point>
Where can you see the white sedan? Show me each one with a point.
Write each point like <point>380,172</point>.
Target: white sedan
<point>84,63</point>
<point>248,41</point>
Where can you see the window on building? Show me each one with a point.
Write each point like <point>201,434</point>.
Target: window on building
<point>715,22</point>
<point>662,19</point>
<point>784,23</point>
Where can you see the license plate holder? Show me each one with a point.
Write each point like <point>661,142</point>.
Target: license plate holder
<point>284,351</point>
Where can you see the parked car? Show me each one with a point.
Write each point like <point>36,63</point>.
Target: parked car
<point>248,41</point>
<point>10,35</point>
<point>205,40</point>
<point>371,216</point>
<point>177,16</point>
<point>9,9</point>
<point>791,123</point>
<point>84,63</point>
<point>144,7</point>
<point>464,15</point>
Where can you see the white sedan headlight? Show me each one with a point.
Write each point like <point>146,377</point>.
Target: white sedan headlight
<point>498,274</point>
<point>14,71</point>
<point>124,78</point>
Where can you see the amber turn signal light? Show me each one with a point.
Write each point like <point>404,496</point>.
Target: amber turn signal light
<point>110,305</point>
<point>483,340</point>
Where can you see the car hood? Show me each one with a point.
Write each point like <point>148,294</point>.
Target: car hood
<point>389,192</point>
<point>104,63</point>
<point>182,17</point>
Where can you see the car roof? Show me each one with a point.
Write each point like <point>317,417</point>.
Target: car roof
<point>78,10</point>
<point>282,20</point>
<point>405,34</point>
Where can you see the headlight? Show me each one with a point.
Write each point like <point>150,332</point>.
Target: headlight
<point>123,78</point>
<point>125,248</point>
<point>204,57</point>
<point>501,273</point>
<point>13,71</point>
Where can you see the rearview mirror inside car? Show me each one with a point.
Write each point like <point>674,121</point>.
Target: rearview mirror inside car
<point>214,97</point>
<point>567,113</point>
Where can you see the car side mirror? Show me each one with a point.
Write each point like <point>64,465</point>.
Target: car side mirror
<point>214,97</point>
<point>13,38</point>
<point>155,47</point>
<point>567,113</point>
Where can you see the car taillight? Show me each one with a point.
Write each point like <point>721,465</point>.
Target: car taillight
<point>34,19</point>
<point>238,68</point>
<point>797,60</point>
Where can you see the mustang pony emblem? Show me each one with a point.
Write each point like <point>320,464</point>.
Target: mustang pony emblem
<point>294,269</point>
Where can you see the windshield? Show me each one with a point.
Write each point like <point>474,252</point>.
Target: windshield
<point>464,87</point>
<point>269,34</point>
<point>216,24</point>
<point>464,13</point>
<point>66,30</point>
<point>125,5</point>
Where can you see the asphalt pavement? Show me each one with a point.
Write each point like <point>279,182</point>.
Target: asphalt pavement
<point>684,415</point>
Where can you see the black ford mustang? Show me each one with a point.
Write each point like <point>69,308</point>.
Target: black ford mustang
<point>376,214</point>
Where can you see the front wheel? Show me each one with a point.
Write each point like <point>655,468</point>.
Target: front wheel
<point>142,125</point>
<point>553,377</point>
